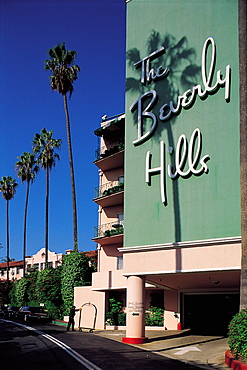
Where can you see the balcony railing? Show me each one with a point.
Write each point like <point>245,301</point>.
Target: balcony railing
<point>109,149</point>
<point>109,188</point>
<point>109,229</point>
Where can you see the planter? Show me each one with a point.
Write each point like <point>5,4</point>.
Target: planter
<point>232,363</point>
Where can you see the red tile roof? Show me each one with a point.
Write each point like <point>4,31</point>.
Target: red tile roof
<point>12,264</point>
<point>91,254</point>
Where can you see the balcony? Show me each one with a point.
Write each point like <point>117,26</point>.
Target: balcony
<point>110,233</point>
<point>111,126</point>
<point>110,193</point>
<point>110,156</point>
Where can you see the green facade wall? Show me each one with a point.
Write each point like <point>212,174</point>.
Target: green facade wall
<point>197,207</point>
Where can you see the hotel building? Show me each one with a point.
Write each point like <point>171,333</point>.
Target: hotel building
<point>169,170</point>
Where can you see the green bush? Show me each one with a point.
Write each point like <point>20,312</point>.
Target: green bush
<point>48,286</point>
<point>21,292</point>
<point>154,317</point>
<point>113,316</point>
<point>75,272</point>
<point>54,312</point>
<point>238,335</point>
<point>5,289</point>
<point>113,189</point>
<point>117,319</point>
<point>122,319</point>
<point>52,287</point>
<point>112,232</point>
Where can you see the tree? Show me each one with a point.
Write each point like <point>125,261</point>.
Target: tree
<point>5,289</point>
<point>76,271</point>
<point>7,187</point>
<point>27,169</point>
<point>43,146</point>
<point>7,259</point>
<point>62,78</point>
<point>48,291</point>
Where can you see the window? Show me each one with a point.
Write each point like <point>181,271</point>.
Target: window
<point>17,270</point>
<point>36,266</point>
<point>120,217</point>
<point>42,265</point>
<point>121,179</point>
<point>119,262</point>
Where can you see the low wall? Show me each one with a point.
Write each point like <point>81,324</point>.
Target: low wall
<point>232,363</point>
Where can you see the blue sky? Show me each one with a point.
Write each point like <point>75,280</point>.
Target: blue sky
<point>96,30</point>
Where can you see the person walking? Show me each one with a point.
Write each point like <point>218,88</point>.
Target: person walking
<point>71,317</point>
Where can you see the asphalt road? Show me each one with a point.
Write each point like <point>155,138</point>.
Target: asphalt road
<point>22,348</point>
<point>51,347</point>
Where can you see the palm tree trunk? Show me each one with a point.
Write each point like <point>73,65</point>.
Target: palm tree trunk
<point>46,216</point>
<point>25,229</point>
<point>243,146</point>
<point>72,177</point>
<point>7,230</point>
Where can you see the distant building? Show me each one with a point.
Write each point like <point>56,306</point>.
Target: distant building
<point>15,270</point>
<point>36,261</point>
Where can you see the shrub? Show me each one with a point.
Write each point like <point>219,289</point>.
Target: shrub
<point>75,272</point>
<point>113,316</point>
<point>154,317</point>
<point>5,288</point>
<point>118,319</point>
<point>238,335</point>
<point>48,286</point>
<point>54,312</point>
<point>122,319</point>
<point>21,292</point>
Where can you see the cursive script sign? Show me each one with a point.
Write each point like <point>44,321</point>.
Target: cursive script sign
<point>186,156</point>
<point>186,100</point>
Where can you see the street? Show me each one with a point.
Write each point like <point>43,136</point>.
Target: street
<point>51,347</point>
<point>22,348</point>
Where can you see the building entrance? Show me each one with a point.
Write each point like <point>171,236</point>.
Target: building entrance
<point>210,314</point>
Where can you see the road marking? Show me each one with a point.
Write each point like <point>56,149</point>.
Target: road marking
<point>184,350</point>
<point>82,360</point>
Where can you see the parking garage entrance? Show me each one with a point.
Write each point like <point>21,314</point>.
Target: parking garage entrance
<point>209,314</point>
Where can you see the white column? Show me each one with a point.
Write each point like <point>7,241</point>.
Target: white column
<point>135,319</point>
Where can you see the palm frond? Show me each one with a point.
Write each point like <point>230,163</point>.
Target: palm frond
<point>153,42</point>
<point>133,56</point>
<point>63,73</point>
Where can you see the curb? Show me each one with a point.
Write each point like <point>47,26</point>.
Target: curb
<point>59,322</point>
<point>232,363</point>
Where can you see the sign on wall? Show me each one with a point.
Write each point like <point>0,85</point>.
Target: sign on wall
<point>182,122</point>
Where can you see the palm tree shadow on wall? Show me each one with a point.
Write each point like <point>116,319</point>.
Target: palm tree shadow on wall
<point>183,74</point>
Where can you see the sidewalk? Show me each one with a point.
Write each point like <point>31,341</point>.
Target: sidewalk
<point>206,352</point>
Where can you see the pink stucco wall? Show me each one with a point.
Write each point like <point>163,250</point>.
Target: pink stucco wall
<point>85,295</point>
<point>201,258</point>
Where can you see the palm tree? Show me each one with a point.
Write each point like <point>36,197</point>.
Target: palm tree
<point>62,78</point>
<point>7,187</point>
<point>5,259</point>
<point>43,145</point>
<point>27,169</point>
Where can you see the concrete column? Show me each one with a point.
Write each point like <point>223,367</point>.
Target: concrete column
<point>135,318</point>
